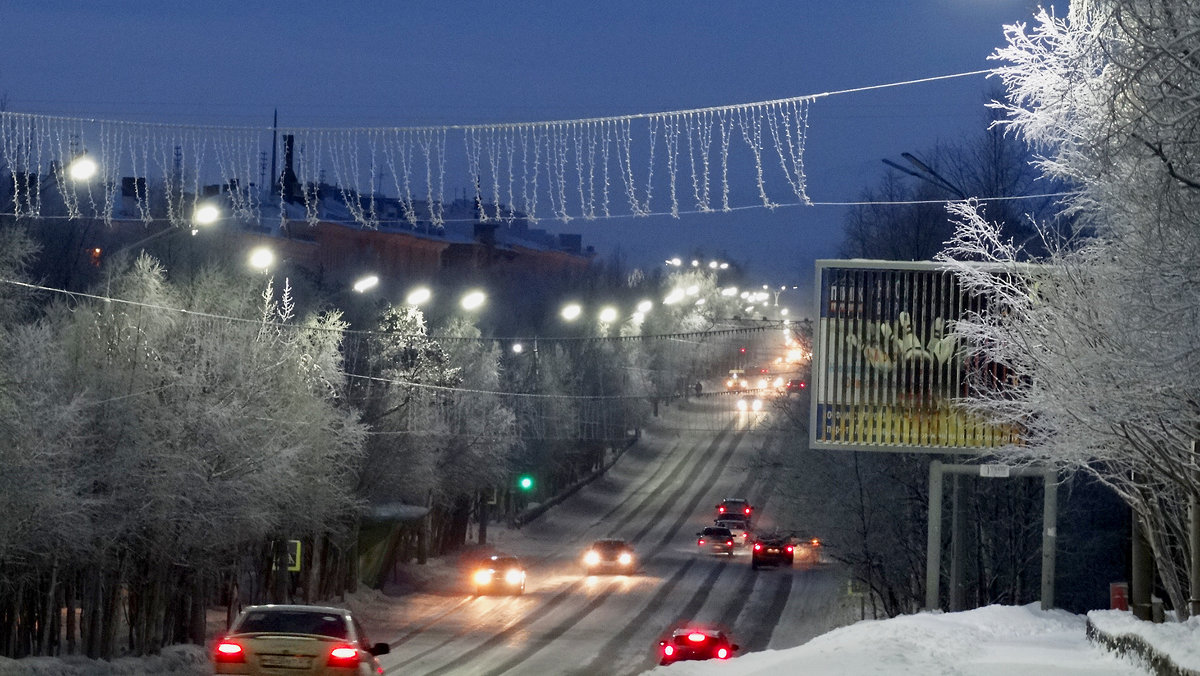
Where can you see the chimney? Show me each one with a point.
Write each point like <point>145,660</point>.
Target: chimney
<point>289,184</point>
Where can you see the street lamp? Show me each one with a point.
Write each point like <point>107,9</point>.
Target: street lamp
<point>608,315</point>
<point>82,168</point>
<point>418,296</point>
<point>926,173</point>
<point>473,300</point>
<point>644,306</point>
<point>366,283</point>
<point>261,258</point>
<point>571,312</point>
<point>206,213</point>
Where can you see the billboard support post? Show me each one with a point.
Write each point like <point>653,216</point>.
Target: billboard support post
<point>933,552</point>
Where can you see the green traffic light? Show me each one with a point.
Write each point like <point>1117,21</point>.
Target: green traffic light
<point>525,482</point>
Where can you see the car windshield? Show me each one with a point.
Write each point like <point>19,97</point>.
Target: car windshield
<point>293,622</point>
<point>504,562</point>
<point>611,546</point>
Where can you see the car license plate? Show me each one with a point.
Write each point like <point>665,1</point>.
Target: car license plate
<point>286,661</point>
<point>772,550</point>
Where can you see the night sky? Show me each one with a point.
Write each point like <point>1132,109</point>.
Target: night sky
<point>348,64</point>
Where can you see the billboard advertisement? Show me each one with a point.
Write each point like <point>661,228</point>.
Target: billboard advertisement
<point>888,367</point>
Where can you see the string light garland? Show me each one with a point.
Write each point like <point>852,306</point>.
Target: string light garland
<point>567,168</point>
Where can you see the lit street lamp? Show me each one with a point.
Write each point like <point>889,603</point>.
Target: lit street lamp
<point>473,300</point>
<point>571,312</point>
<point>418,296</point>
<point>366,283</point>
<point>206,213</point>
<point>261,258</point>
<point>82,168</point>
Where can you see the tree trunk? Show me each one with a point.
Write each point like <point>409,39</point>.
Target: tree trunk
<point>69,593</point>
<point>51,607</point>
<point>199,625</point>
<point>312,584</point>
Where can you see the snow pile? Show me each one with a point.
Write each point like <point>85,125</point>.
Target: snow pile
<point>990,641</point>
<point>176,660</point>
<point>1175,639</point>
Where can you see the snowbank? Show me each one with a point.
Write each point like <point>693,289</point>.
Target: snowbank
<point>1175,642</point>
<point>991,641</point>
<point>176,660</point>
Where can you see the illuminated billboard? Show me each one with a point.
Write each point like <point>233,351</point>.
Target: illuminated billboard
<point>887,366</point>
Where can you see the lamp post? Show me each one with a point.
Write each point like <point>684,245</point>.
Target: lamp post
<point>926,173</point>
<point>204,215</point>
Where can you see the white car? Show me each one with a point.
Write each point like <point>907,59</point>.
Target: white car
<point>739,527</point>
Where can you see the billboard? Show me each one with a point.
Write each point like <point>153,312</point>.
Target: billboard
<point>887,365</point>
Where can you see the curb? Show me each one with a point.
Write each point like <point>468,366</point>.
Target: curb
<point>1130,645</point>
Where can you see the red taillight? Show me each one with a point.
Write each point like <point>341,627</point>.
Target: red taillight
<point>668,650</point>
<point>696,637</point>
<point>729,543</point>
<point>789,549</point>
<point>343,656</point>
<point>758,546</point>
<point>747,510</point>
<point>721,509</point>
<point>229,652</point>
<point>701,541</point>
<point>722,653</point>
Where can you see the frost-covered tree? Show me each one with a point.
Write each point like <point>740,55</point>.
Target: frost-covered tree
<point>1105,339</point>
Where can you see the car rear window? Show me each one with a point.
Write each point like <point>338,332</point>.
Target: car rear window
<point>293,622</point>
<point>716,531</point>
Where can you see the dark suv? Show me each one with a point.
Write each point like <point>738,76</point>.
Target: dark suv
<point>735,507</point>
<point>772,551</point>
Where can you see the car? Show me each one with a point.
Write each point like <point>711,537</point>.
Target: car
<point>715,539</point>
<point>749,404</point>
<point>296,639</point>
<point>808,551</point>
<point>794,386</point>
<point>771,551</point>
<point>695,644</point>
<point>499,573</point>
<point>731,506</point>
<point>736,380</point>
<point>739,526</point>
<point>763,380</point>
<point>610,555</point>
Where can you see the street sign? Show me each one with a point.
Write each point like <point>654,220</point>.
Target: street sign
<point>994,471</point>
<point>289,558</point>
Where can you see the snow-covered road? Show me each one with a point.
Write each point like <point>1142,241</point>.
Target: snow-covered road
<point>657,496</point>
